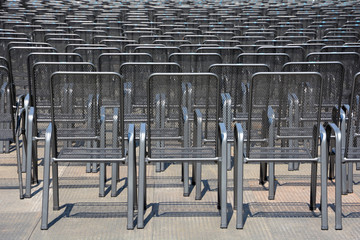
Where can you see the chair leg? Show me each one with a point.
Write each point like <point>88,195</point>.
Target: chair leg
<point>350,177</point>
<point>271,181</point>
<point>45,198</point>
<point>198,180</point>
<point>28,159</point>
<point>263,171</point>
<point>102,178</point>
<point>142,190</point>
<point>186,179</point>
<point>313,186</point>
<point>223,197</point>
<point>114,173</point>
<point>55,172</point>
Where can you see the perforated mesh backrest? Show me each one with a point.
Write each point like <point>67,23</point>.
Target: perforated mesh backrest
<point>111,62</point>
<point>158,54</point>
<point>79,110</point>
<point>350,60</point>
<point>167,89</point>
<point>333,78</point>
<point>275,90</point>
<point>296,53</point>
<point>228,54</point>
<point>353,126</point>
<point>18,64</point>
<point>91,54</point>
<point>274,60</point>
<point>6,105</point>
<point>195,62</point>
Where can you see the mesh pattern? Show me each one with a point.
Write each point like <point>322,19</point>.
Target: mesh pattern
<point>6,107</point>
<point>200,39</point>
<point>297,54</point>
<point>111,62</point>
<point>310,47</point>
<point>120,44</point>
<point>159,54</point>
<point>333,78</point>
<point>191,48</point>
<point>77,113</point>
<point>353,126</point>
<point>275,91</point>
<point>165,101</point>
<point>88,35</point>
<point>61,43</point>
<point>71,47</point>
<point>275,61</point>
<point>91,54</point>
<point>4,41</point>
<point>195,62</point>
<point>228,54</point>
<point>41,86</point>
<point>350,60</point>
<point>18,62</point>
<point>235,79</point>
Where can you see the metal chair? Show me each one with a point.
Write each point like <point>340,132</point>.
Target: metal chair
<point>39,112</point>
<point>275,137</point>
<point>228,54</point>
<point>167,132</point>
<point>82,117</point>
<point>111,62</point>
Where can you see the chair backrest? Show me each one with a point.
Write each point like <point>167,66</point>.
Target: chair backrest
<point>165,105</point>
<point>333,79</point>
<point>91,54</point>
<point>228,54</point>
<point>111,62</point>
<point>158,54</point>
<point>18,60</point>
<point>351,62</point>
<point>280,99</point>
<point>296,53</point>
<point>61,43</point>
<point>275,61</point>
<point>352,130</point>
<point>7,123</point>
<point>195,62</point>
<point>76,115</point>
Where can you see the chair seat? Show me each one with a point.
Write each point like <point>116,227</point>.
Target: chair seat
<point>176,153</point>
<point>6,135</point>
<point>90,153</point>
<point>280,153</point>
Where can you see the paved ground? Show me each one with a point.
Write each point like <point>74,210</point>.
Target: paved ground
<point>83,215</point>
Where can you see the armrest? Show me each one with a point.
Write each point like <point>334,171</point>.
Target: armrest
<point>238,140</point>
<point>222,138</point>
<point>89,108</point>
<point>197,128</point>
<point>186,133</point>
<point>142,139</point>
<point>102,127</point>
<point>270,116</point>
<point>131,137</point>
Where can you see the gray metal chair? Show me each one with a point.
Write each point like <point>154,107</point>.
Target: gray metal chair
<point>345,146</point>
<point>81,116</point>
<point>9,131</point>
<point>275,137</point>
<point>158,54</point>
<point>135,75</point>
<point>228,54</point>
<point>111,62</point>
<point>168,132</point>
<point>39,112</point>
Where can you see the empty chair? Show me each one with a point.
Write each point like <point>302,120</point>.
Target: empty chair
<point>167,132</point>
<point>8,130</point>
<point>83,117</point>
<point>275,137</point>
<point>346,149</point>
<point>39,112</point>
